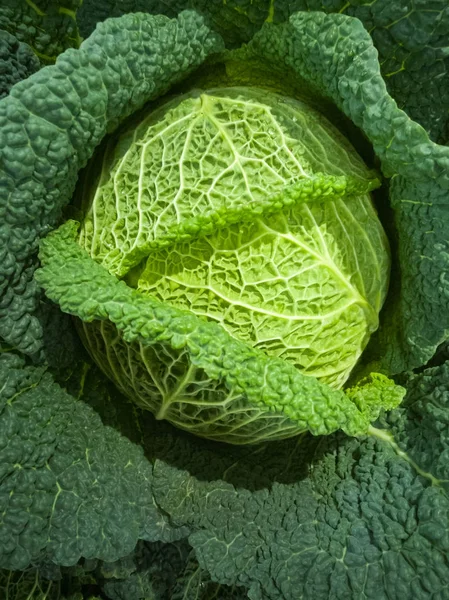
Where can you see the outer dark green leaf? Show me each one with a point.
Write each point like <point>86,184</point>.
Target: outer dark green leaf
<point>48,26</point>
<point>236,20</point>
<point>411,39</point>
<point>316,518</point>
<point>312,518</point>
<point>307,518</point>
<point>17,62</point>
<point>69,487</point>
<point>156,570</point>
<point>330,518</point>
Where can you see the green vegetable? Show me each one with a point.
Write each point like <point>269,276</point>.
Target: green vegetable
<point>343,518</point>
<point>224,192</point>
<point>215,386</point>
<point>340,515</point>
<point>97,497</point>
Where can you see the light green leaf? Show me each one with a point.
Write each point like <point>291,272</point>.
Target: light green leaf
<point>209,376</point>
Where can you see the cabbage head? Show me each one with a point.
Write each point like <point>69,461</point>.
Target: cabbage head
<point>249,209</point>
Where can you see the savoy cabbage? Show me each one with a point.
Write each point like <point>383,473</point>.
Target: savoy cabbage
<point>256,251</point>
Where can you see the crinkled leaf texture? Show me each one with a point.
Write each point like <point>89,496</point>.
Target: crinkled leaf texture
<point>161,571</point>
<point>275,394</point>
<point>411,40</point>
<point>47,26</point>
<point>17,62</point>
<point>153,571</point>
<point>236,20</point>
<point>312,518</point>
<point>50,125</point>
<point>363,519</point>
<point>416,319</point>
<point>69,487</point>
<point>334,53</point>
<point>265,225</point>
<point>308,517</point>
